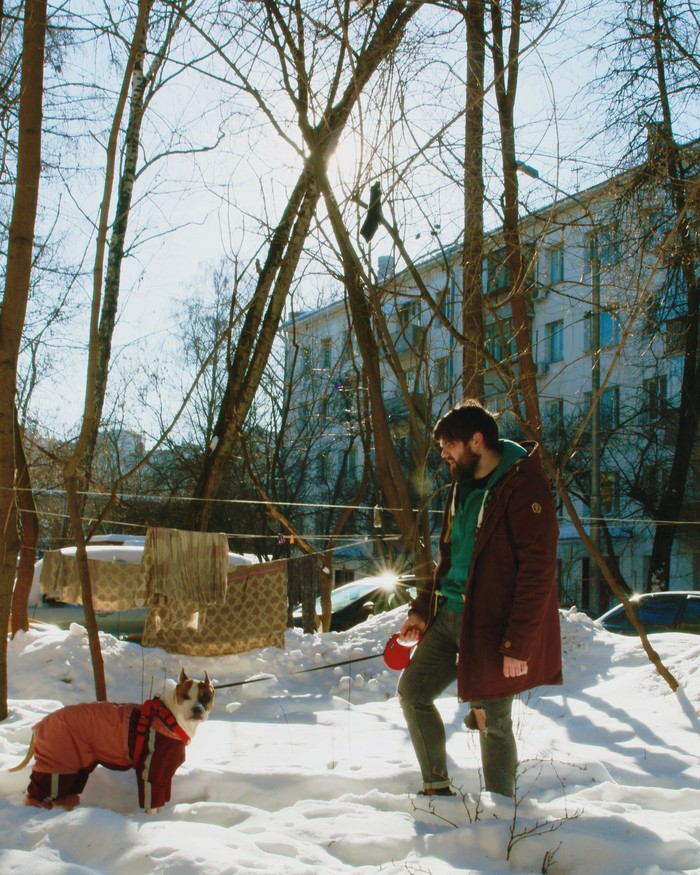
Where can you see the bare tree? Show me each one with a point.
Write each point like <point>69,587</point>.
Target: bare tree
<point>14,304</point>
<point>145,84</point>
<point>473,251</point>
<point>90,422</point>
<point>321,123</point>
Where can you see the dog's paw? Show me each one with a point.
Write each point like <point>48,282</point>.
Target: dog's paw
<point>68,802</point>
<point>154,810</point>
<point>38,803</point>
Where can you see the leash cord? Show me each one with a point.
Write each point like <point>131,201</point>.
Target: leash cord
<point>301,671</point>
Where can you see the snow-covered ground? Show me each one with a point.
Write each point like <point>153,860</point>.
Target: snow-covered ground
<point>314,773</point>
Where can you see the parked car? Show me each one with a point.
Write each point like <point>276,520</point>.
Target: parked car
<point>658,612</point>
<point>352,603</point>
<point>117,549</point>
<point>127,625</point>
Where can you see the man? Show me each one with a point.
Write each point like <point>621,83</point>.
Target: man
<point>490,618</point>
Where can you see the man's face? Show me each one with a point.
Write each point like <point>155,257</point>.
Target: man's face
<point>460,457</point>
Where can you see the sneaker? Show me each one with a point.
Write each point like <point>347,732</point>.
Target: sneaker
<point>437,791</point>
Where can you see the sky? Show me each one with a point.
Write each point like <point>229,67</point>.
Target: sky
<point>194,209</point>
<point>295,774</point>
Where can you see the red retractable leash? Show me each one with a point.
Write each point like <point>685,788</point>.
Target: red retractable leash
<point>397,653</point>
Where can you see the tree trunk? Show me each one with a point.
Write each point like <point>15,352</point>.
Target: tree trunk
<point>473,251</point>
<point>29,523</point>
<point>671,502</point>
<point>120,225</point>
<point>14,304</point>
<point>389,469</point>
<point>506,80</point>
<point>74,465</point>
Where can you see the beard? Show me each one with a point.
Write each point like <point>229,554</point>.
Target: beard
<point>462,468</point>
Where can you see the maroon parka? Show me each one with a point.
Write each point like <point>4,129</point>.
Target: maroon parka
<point>511,592</point>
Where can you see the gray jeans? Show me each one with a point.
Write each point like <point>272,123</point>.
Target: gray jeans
<point>431,670</point>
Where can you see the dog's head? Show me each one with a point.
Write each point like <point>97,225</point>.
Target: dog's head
<point>192,700</point>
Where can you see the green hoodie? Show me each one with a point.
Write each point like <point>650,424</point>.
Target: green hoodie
<point>469,500</point>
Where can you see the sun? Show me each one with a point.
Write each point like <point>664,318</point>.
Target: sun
<point>347,165</point>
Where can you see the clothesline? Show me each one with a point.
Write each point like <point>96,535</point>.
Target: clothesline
<point>318,506</point>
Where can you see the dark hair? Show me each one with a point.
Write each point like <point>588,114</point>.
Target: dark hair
<point>460,423</point>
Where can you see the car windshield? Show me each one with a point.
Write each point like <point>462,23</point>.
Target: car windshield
<point>346,595</point>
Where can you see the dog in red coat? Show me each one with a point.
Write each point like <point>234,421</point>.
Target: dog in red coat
<point>150,738</point>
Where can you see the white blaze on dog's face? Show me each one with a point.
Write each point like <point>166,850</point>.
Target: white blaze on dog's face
<point>194,698</point>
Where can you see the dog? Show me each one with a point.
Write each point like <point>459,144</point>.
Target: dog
<point>150,738</point>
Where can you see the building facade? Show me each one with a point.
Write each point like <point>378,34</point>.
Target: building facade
<point>608,315</point>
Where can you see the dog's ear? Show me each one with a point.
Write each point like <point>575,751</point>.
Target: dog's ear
<point>206,679</point>
<point>183,676</point>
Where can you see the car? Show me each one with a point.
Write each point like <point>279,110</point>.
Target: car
<point>675,611</point>
<point>352,603</point>
<point>126,625</point>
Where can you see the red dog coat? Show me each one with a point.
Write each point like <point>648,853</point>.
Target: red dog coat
<point>72,741</point>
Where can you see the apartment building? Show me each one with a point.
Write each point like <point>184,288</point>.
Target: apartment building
<point>607,315</point>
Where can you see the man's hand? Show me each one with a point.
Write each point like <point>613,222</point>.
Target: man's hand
<point>514,668</point>
<point>413,628</point>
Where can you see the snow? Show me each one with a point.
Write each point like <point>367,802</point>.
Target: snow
<point>305,772</point>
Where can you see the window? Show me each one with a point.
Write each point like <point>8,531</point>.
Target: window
<point>556,264</point>
<point>660,611</point>
<point>530,263</point>
<point>408,313</point>
<point>323,466</point>
<point>500,340</point>
<point>590,246</point>
<point>554,414</point>
<point>554,341</point>
<point>444,374</point>
<point>610,408</point>
<point>608,327</point>
<point>609,492</point>
<point>497,267</point>
<point>655,398</point>
<point>609,248</point>
<point>348,465</point>
<point>448,298</point>
<point>494,345</point>
<point>326,345</point>
<point>324,415</point>
<point>585,583</point>
<point>346,399</point>
<point>305,358</point>
<point>691,615</point>
<point>675,331</point>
